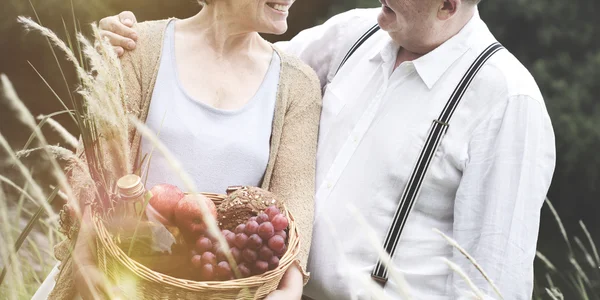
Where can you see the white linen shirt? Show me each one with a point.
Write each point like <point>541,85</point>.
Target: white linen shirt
<point>485,186</point>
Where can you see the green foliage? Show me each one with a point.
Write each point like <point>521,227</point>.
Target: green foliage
<point>557,41</point>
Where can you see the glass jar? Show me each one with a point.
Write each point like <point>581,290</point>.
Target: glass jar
<point>131,198</point>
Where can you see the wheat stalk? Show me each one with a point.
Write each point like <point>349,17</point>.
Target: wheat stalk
<point>31,25</point>
<point>56,151</point>
<point>102,118</point>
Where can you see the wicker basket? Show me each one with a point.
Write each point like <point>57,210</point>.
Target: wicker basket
<point>137,281</point>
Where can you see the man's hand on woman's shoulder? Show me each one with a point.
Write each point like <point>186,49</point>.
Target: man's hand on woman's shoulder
<point>119,32</point>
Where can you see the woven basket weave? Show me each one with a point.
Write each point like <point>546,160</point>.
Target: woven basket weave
<point>137,281</point>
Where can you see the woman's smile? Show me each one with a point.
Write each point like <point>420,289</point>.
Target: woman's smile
<point>280,8</point>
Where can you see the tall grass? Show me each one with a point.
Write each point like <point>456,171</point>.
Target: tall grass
<point>102,121</point>
<point>582,275</point>
<point>24,269</point>
<point>102,156</point>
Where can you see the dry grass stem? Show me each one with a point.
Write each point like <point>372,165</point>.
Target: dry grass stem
<point>104,128</point>
<point>560,225</point>
<point>56,151</point>
<point>21,191</point>
<point>581,274</point>
<point>11,264</point>
<point>456,268</point>
<point>586,253</point>
<point>374,289</point>
<point>38,194</point>
<point>591,241</point>
<point>554,294</point>
<point>546,261</point>
<point>472,260</point>
<point>550,281</point>
<point>53,91</point>
<point>27,118</point>
<point>213,227</point>
<point>41,124</point>
<point>386,259</point>
<point>62,132</point>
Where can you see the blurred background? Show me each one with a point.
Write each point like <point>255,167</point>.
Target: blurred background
<point>556,40</point>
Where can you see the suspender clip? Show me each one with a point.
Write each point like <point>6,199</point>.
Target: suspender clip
<point>379,280</point>
<point>441,123</point>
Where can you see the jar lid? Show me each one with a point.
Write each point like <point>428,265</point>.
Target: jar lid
<point>130,186</point>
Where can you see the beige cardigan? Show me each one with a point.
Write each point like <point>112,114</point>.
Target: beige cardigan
<point>290,171</point>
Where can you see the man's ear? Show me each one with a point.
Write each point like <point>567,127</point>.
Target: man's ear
<point>448,8</point>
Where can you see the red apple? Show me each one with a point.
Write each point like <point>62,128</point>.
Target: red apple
<point>164,200</point>
<point>189,217</point>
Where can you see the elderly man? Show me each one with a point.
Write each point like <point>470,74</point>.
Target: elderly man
<point>395,149</point>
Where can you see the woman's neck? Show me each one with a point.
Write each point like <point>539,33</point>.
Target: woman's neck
<point>222,32</point>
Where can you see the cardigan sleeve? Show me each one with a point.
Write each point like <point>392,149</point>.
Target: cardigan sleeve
<point>293,176</point>
<point>140,69</point>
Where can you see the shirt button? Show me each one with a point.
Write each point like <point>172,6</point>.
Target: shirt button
<point>329,185</point>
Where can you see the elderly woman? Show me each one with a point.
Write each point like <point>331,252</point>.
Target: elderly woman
<point>233,110</point>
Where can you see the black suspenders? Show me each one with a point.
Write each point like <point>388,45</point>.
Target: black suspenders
<point>434,139</point>
<point>358,43</point>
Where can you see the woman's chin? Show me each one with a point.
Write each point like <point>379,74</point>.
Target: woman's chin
<point>277,28</point>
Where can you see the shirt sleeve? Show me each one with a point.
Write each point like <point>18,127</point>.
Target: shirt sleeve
<point>320,46</point>
<point>498,202</point>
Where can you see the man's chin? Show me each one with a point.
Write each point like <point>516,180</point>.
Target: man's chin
<point>385,21</point>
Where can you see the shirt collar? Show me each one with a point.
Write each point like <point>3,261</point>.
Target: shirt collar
<point>434,64</point>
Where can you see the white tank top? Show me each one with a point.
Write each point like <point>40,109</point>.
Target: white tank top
<point>217,148</point>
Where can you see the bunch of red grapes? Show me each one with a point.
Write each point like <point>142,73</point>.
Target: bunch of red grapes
<point>256,247</point>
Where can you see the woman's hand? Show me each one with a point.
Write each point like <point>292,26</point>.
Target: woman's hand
<point>118,31</point>
<point>290,287</point>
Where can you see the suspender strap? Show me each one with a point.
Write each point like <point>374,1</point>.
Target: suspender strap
<point>413,187</point>
<point>358,43</point>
